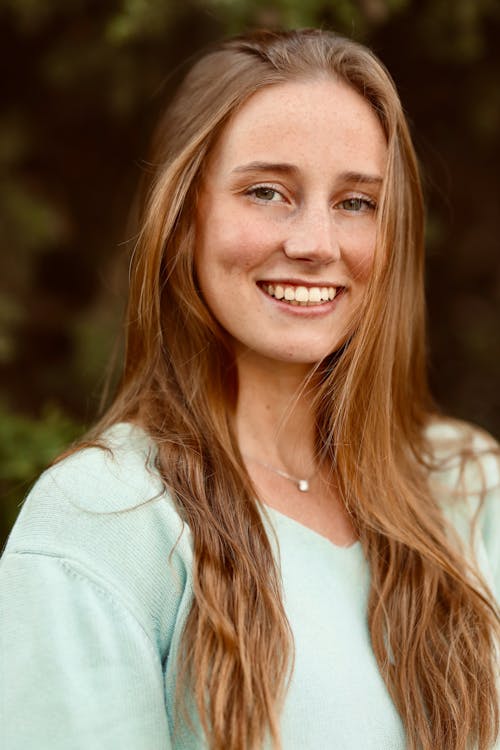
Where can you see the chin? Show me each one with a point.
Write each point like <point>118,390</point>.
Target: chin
<point>301,358</point>
<point>294,352</point>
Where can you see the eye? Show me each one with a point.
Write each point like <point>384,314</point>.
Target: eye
<point>265,194</point>
<point>357,204</point>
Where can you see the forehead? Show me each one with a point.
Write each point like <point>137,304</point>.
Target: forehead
<point>307,121</point>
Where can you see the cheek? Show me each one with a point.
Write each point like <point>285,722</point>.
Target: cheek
<point>364,266</point>
<point>232,247</point>
<point>359,254</point>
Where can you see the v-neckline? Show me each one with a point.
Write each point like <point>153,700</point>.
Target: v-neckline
<point>307,530</point>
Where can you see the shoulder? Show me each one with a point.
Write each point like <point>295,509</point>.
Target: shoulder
<point>115,475</point>
<point>465,478</point>
<point>463,456</point>
<point>107,511</point>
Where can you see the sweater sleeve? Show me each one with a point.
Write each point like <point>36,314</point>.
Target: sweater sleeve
<point>77,670</point>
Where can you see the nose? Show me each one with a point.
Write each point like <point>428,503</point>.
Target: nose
<point>313,237</point>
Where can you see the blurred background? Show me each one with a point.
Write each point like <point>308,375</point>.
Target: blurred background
<point>84,81</point>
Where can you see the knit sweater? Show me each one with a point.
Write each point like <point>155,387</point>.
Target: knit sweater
<point>96,584</point>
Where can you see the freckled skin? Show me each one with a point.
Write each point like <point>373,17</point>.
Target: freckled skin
<point>268,224</point>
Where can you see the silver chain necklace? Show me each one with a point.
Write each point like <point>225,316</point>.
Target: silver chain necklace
<point>302,484</point>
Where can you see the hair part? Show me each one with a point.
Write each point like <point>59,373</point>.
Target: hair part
<point>431,625</point>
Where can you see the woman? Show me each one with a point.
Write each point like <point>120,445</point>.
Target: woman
<point>274,538</point>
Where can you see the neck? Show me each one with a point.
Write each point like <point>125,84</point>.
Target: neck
<point>274,418</point>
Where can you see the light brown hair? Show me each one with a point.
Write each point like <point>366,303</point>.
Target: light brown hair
<point>431,619</point>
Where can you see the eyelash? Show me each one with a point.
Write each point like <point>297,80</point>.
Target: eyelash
<point>367,203</point>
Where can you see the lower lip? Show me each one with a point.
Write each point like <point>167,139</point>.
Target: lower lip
<point>306,311</point>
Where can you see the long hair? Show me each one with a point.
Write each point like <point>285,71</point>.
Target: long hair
<point>431,619</point>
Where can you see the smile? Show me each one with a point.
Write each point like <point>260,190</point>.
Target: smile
<point>301,295</point>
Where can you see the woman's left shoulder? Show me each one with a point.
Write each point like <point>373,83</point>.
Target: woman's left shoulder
<point>463,456</point>
<point>465,478</point>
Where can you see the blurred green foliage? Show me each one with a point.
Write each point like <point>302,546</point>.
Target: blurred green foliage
<point>27,447</point>
<point>84,82</point>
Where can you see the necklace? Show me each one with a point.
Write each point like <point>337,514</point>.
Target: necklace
<point>302,484</point>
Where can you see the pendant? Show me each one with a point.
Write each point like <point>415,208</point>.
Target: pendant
<point>303,485</point>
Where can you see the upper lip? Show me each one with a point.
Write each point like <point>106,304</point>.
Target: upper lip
<point>301,282</point>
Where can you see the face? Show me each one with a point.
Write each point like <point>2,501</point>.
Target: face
<point>286,220</point>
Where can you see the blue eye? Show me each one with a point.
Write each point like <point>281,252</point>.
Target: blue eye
<point>357,205</point>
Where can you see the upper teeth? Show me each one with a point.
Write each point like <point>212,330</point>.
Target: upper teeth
<point>301,295</point>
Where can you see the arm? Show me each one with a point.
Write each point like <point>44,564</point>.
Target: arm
<point>77,670</point>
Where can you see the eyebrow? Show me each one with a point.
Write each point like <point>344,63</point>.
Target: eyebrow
<point>362,178</point>
<point>264,166</point>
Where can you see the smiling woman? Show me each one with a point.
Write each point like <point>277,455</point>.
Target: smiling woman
<point>272,538</point>
<point>281,213</point>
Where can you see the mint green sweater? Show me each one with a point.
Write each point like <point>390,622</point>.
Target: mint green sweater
<point>93,603</point>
